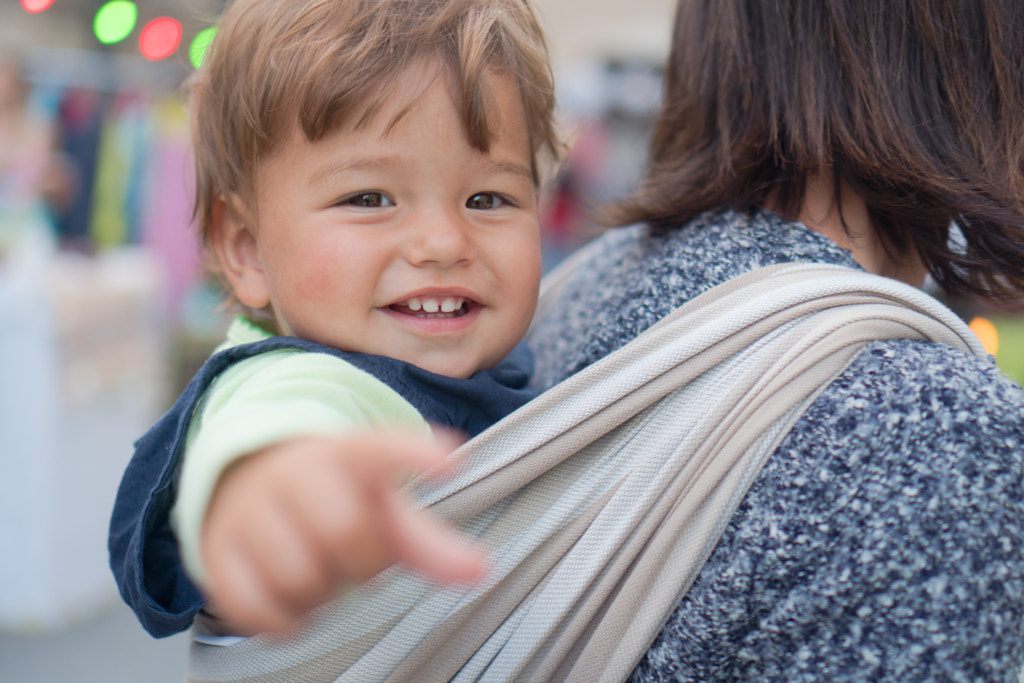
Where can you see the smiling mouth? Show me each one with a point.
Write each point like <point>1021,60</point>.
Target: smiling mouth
<point>433,307</point>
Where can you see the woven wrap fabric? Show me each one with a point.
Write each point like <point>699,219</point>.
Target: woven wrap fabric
<point>602,499</point>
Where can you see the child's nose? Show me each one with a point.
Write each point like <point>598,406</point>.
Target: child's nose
<point>440,237</point>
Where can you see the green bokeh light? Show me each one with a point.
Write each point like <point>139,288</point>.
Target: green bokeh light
<point>114,21</point>
<point>200,44</point>
<point>1010,356</point>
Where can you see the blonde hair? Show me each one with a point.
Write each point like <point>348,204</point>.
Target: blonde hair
<point>321,63</point>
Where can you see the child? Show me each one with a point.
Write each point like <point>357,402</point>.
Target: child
<point>366,187</point>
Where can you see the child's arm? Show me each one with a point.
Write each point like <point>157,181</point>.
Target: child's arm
<point>291,525</point>
<point>149,553</point>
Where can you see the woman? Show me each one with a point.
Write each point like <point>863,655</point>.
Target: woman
<point>884,538</point>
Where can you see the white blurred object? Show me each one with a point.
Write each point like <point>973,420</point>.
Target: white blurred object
<point>82,375</point>
<point>583,30</point>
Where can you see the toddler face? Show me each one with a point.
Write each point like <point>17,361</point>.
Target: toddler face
<point>405,241</point>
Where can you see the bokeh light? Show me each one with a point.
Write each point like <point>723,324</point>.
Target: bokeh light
<point>200,45</point>
<point>986,333</point>
<point>36,5</point>
<point>114,21</point>
<point>160,38</point>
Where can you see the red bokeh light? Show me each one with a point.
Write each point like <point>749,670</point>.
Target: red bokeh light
<point>36,5</point>
<point>160,38</point>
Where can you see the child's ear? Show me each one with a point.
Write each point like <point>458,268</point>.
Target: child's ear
<point>234,242</point>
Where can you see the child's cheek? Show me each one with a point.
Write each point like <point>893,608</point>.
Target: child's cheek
<point>323,275</point>
<point>312,285</point>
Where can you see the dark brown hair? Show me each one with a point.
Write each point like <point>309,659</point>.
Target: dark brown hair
<point>917,104</point>
<point>322,63</point>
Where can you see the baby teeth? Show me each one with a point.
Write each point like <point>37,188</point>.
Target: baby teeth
<point>446,305</point>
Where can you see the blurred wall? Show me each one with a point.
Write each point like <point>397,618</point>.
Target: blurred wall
<point>579,30</point>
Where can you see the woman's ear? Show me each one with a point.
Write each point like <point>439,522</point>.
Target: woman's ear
<point>234,242</point>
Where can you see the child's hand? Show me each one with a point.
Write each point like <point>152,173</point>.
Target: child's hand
<point>292,524</point>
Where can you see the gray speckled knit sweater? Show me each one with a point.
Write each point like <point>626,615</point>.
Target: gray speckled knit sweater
<point>884,539</point>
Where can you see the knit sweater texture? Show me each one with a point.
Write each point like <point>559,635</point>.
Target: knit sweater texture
<point>883,540</point>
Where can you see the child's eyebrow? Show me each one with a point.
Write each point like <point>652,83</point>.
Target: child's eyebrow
<point>344,166</point>
<point>512,168</point>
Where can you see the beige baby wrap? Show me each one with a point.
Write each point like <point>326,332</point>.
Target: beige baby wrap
<point>602,498</point>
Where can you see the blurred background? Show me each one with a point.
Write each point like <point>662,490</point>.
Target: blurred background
<point>105,313</point>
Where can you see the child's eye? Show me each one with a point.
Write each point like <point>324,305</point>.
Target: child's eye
<point>486,200</point>
<point>368,200</point>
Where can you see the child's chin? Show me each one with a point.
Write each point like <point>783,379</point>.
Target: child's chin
<point>458,366</point>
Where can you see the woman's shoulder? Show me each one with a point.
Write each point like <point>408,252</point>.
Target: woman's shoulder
<point>883,535</point>
<point>912,415</point>
<point>905,481</point>
<point>904,388</point>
